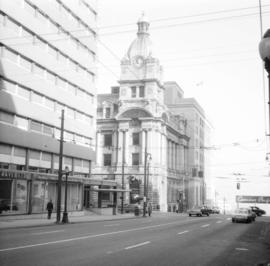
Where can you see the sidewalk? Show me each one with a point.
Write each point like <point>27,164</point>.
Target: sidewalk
<point>41,219</point>
<point>19,221</point>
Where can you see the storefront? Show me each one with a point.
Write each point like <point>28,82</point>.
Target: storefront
<point>24,192</point>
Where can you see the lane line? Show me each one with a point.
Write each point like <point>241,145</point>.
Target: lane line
<point>242,249</point>
<point>228,219</point>
<point>138,245</point>
<point>218,222</point>
<point>205,225</point>
<point>94,236</point>
<point>111,224</point>
<point>47,232</point>
<point>180,233</point>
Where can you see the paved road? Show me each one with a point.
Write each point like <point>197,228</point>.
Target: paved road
<point>166,240</point>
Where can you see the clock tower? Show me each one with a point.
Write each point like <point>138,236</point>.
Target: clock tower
<point>141,74</point>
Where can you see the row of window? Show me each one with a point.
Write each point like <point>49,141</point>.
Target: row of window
<point>135,90</point>
<point>42,100</point>
<point>42,156</point>
<point>30,38</point>
<point>35,126</point>
<point>107,159</point>
<point>44,73</point>
<point>67,13</point>
<point>108,139</point>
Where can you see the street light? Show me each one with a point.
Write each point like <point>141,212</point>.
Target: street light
<point>65,214</point>
<point>264,49</point>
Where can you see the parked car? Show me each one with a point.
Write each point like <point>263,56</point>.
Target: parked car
<point>199,211</point>
<point>242,215</point>
<point>216,210</point>
<point>258,211</point>
<point>206,210</point>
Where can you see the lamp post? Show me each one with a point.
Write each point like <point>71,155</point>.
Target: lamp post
<point>65,214</point>
<point>147,181</point>
<point>264,49</point>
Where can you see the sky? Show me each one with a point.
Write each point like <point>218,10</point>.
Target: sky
<point>210,48</point>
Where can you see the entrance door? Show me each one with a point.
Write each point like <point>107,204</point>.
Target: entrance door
<point>86,198</point>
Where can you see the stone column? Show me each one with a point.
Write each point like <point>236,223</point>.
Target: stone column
<point>98,148</point>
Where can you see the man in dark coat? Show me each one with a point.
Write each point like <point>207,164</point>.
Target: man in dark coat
<point>49,209</point>
<point>149,208</point>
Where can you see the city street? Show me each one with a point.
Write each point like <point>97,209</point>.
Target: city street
<point>158,240</point>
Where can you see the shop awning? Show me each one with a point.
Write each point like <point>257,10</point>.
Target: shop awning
<point>110,190</point>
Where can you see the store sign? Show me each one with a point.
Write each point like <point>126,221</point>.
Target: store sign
<point>13,174</point>
<point>253,199</point>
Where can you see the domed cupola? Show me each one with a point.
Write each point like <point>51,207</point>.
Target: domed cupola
<point>142,45</point>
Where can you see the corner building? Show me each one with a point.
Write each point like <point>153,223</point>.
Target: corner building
<point>47,53</point>
<point>140,143</point>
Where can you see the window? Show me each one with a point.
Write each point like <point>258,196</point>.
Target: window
<point>5,149</point>
<point>47,130</point>
<point>8,86</point>
<point>47,157</point>
<point>115,108</point>
<point>34,155</point>
<point>141,91</point>
<point>78,162</point>
<point>5,117</point>
<point>107,159</point>
<point>133,92</point>
<point>49,104</point>
<point>136,138</point>
<point>37,98</point>
<point>19,152</point>
<point>135,159</point>
<point>35,126</point>
<point>24,93</point>
<point>10,55</point>
<point>107,140</point>
<point>107,112</point>
<point>21,123</point>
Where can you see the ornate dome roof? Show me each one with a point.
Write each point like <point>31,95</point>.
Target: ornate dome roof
<point>142,45</point>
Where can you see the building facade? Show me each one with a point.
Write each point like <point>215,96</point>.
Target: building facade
<point>199,131</point>
<point>140,143</point>
<point>48,59</point>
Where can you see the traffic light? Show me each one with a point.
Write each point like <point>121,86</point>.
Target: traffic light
<point>238,185</point>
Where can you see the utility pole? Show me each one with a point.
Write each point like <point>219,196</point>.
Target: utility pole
<point>144,182</point>
<point>59,185</point>
<point>123,170</point>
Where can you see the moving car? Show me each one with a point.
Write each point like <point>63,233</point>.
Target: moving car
<point>242,215</point>
<point>199,211</point>
<point>258,211</point>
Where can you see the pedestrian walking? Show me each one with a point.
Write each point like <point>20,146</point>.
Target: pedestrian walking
<point>149,208</point>
<point>49,208</point>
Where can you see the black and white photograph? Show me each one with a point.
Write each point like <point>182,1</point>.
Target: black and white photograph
<point>134,133</point>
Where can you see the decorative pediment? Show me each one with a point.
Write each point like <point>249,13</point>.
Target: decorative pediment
<point>135,113</point>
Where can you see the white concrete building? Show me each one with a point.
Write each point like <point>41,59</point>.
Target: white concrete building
<point>199,131</point>
<point>47,64</point>
<point>140,143</point>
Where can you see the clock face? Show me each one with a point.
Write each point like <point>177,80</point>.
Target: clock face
<point>138,62</point>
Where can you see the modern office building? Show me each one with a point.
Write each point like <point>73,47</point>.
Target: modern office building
<point>199,131</point>
<point>141,144</point>
<point>48,64</point>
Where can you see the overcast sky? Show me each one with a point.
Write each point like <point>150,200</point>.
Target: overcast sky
<point>210,48</point>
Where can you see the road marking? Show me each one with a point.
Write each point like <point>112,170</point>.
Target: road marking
<point>111,224</point>
<point>218,222</point>
<point>47,232</point>
<point>205,225</point>
<point>182,232</point>
<point>138,245</point>
<point>228,219</point>
<point>242,249</point>
<point>93,236</point>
